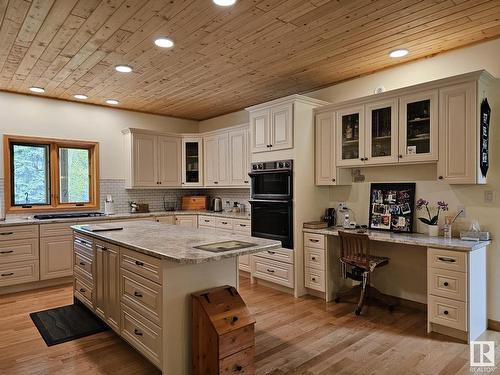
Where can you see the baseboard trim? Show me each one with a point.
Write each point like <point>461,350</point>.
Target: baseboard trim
<point>35,285</point>
<point>494,325</point>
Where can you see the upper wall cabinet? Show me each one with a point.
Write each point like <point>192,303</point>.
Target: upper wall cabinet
<point>239,161</point>
<point>192,166</point>
<point>272,123</point>
<point>152,161</point>
<point>216,153</point>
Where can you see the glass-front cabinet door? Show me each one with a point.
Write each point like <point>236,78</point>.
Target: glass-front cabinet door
<point>381,132</point>
<point>350,136</point>
<point>418,127</point>
<point>192,162</point>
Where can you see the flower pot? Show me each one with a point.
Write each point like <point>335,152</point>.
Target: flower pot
<point>433,230</point>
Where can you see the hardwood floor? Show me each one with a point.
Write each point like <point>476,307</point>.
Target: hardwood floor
<point>293,336</point>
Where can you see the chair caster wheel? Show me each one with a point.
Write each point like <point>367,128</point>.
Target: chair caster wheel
<point>391,308</point>
<point>336,300</point>
<point>357,312</point>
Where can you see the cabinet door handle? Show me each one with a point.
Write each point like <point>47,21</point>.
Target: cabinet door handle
<point>7,274</point>
<point>333,180</point>
<point>445,312</point>
<point>137,294</point>
<point>6,233</point>
<point>313,279</point>
<point>446,283</point>
<point>449,260</point>
<point>137,332</point>
<point>313,258</point>
<point>103,248</point>
<point>6,251</point>
<point>440,177</point>
<point>246,182</point>
<point>224,222</point>
<point>400,156</point>
<point>138,263</point>
<point>270,271</point>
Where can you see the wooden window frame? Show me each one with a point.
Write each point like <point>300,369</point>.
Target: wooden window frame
<point>54,174</point>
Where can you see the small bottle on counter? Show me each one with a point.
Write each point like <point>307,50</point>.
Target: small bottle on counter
<point>447,226</point>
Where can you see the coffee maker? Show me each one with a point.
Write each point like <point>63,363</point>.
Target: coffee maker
<point>330,217</point>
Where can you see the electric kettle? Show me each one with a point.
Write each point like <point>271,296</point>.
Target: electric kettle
<point>217,204</point>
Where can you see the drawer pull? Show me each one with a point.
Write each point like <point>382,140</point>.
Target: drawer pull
<point>82,263</point>
<point>137,294</point>
<point>238,368</point>
<point>271,252</point>
<point>82,290</point>
<point>313,279</point>
<point>270,271</point>
<point>313,258</point>
<point>7,274</point>
<point>446,283</point>
<point>445,312</point>
<point>6,252</point>
<point>310,239</point>
<point>137,332</point>
<point>449,260</point>
<point>224,222</point>
<point>103,248</point>
<point>138,263</point>
<point>82,242</point>
<point>243,225</point>
<point>6,233</point>
<point>207,221</point>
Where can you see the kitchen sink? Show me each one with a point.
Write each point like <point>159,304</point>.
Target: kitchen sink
<point>219,247</point>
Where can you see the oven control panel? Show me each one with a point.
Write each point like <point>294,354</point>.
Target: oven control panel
<point>273,165</point>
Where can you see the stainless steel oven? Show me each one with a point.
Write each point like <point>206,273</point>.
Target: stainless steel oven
<point>272,180</point>
<point>272,201</point>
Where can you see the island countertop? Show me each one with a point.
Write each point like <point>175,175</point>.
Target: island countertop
<point>174,243</point>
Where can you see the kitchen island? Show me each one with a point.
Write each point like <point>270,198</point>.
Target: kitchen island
<point>139,280</point>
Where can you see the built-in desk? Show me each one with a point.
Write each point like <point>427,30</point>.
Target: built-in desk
<point>456,277</point>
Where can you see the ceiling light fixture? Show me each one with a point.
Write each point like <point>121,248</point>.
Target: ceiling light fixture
<point>164,43</point>
<point>123,68</point>
<point>224,3</point>
<point>80,96</point>
<point>112,101</point>
<point>401,52</point>
<point>38,90</point>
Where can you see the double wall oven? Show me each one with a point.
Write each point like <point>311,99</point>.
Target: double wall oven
<point>272,201</point>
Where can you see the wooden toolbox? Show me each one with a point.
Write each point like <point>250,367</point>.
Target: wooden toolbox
<point>194,202</point>
<point>223,333</point>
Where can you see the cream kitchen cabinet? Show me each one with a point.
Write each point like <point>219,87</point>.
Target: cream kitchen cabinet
<point>107,287</point>
<point>260,130</point>
<point>152,160</point>
<point>187,220</point>
<point>271,128</point>
<point>239,160</point>
<point>216,156</point>
<point>56,250</point>
<point>166,219</point>
<point>192,162</point>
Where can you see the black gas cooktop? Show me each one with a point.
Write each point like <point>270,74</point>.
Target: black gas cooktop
<point>68,215</point>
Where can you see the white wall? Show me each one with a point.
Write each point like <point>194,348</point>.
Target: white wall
<point>35,116</point>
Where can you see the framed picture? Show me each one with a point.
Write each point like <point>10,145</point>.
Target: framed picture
<point>392,207</point>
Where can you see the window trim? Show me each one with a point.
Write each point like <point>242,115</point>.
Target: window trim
<point>54,177</point>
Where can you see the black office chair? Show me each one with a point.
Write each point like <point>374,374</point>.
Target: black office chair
<point>357,264</point>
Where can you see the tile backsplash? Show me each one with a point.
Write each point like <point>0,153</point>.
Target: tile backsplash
<point>158,199</point>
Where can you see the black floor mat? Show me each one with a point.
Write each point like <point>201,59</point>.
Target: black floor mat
<point>66,323</point>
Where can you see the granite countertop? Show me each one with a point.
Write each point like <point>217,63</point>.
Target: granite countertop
<point>417,239</point>
<point>175,243</point>
<point>29,220</point>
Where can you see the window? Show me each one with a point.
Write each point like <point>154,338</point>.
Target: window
<point>49,174</point>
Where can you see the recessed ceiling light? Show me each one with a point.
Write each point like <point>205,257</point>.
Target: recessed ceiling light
<point>80,96</point>
<point>38,90</point>
<point>112,101</point>
<point>164,43</point>
<point>123,68</point>
<point>224,3</point>
<point>399,53</point>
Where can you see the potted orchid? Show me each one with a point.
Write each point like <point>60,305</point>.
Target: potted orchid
<point>431,221</point>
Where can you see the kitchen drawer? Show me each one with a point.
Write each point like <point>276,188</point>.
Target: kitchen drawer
<point>19,272</point>
<point>236,340</point>
<point>314,240</point>
<point>270,270</point>
<point>141,264</point>
<point>243,227</point>
<point>142,295</point>
<point>239,363</point>
<point>83,245</point>
<point>141,334</point>
<point>447,312</point>
<point>281,255</point>
<point>59,229</point>
<point>84,292</point>
<point>206,221</point>
<point>18,232</point>
<point>314,279</point>
<point>83,265</point>
<point>314,258</point>
<point>224,224</point>
<point>18,250</point>
<point>447,259</point>
<point>446,283</point>
<point>166,220</point>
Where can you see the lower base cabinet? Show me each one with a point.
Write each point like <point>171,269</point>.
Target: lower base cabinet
<point>107,296</point>
<point>56,257</point>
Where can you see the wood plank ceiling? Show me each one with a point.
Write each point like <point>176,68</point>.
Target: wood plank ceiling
<point>224,58</point>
